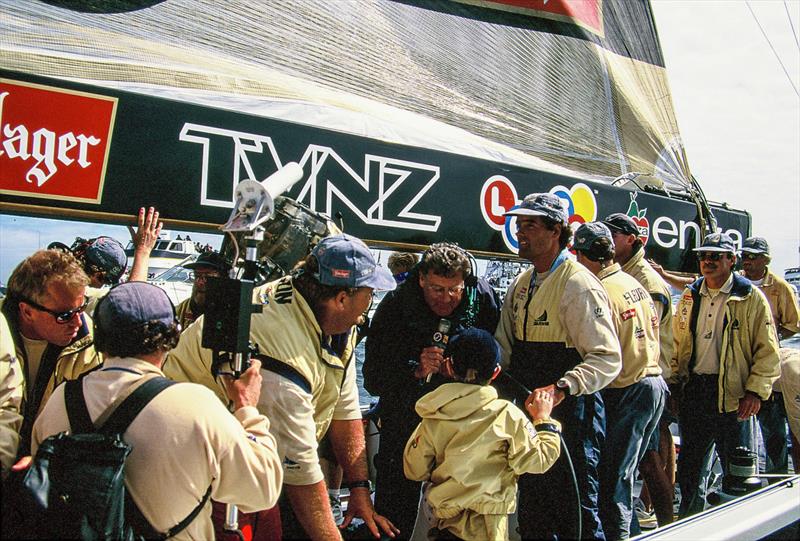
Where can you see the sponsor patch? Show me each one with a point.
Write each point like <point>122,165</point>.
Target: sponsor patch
<point>599,312</point>
<point>340,273</point>
<point>290,464</point>
<point>628,314</point>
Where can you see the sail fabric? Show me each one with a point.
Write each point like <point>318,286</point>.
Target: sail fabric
<point>569,87</point>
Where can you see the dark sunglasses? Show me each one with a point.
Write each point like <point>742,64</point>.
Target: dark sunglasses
<point>61,317</point>
<point>750,256</point>
<point>713,256</point>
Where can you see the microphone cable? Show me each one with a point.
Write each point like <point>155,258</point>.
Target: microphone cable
<point>523,389</point>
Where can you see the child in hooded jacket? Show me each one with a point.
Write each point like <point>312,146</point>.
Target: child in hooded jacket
<point>472,446</point>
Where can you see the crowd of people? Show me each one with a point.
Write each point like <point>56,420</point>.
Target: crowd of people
<point>544,406</point>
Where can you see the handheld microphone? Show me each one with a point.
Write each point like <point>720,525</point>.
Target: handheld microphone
<point>440,339</point>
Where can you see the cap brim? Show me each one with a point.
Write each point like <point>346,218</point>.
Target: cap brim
<point>754,251</point>
<point>525,212</point>
<point>381,280</point>
<point>712,249</point>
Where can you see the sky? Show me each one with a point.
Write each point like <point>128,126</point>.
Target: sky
<point>737,111</point>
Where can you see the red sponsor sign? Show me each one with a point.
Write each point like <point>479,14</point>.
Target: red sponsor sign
<point>587,14</point>
<point>54,143</point>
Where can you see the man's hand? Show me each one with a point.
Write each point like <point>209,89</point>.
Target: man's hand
<point>144,239</point>
<point>557,394</point>
<point>246,390</point>
<point>360,505</point>
<point>539,404</point>
<point>430,361</point>
<point>749,405</point>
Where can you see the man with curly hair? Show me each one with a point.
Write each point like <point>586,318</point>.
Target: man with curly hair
<point>402,365</point>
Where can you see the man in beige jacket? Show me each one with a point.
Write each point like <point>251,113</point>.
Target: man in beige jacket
<point>186,446</point>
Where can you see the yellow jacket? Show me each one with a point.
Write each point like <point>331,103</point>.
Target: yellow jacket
<point>473,446</point>
<point>749,352</point>
<point>782,302</point>
<point>11,387</point>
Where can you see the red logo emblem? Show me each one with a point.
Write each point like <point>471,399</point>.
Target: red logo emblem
<point>339,273</point>
<point>639,218</point>
<point>627,314</point>
<point>54,142</point>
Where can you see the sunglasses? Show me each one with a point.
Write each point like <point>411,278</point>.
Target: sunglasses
<point>61,317</point>
<point>712,256</point>
<point>750,256</point>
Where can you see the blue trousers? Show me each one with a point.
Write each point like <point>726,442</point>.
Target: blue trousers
<point>772,419</point>
<point>548,505</point>
<point>632,415</point>
<point>702,426</point>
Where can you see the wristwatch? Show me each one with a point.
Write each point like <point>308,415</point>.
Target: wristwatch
<point>363,483</point>
<point>563,385</point>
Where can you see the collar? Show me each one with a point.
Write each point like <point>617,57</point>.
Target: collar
<point>608,271</point>
<point>635,260</point>
<point>725,289</point>
<point>131,364</point>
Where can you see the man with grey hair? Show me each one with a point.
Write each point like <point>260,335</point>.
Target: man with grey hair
<point>785,314</point>
<point>557,333</point>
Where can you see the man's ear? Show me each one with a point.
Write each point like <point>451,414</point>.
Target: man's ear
<point>25,310</point>
<point>339,299</point>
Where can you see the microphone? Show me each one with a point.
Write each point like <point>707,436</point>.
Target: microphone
<point>440,339</point>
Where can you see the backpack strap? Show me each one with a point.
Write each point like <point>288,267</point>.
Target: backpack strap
<point>79,420</point>
<point>125,413</point>
<point>143,527</point>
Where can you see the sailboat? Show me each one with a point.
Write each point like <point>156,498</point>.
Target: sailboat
<point>414,121</point>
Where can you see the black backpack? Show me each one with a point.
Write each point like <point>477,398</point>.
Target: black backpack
<point>74,488</point>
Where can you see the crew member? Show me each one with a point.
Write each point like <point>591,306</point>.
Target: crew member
<point>658,464</point>
<point>52,334</point>
<point>401,364</point>
<point>400,265</point>
<point>207,265</point>
<point>305,336</point>
<point>557,333</point>
<point>726,356</point>
<point>11,387</point>
<point>635,399</point>
<point>785,314</point>
<point>184,442</point>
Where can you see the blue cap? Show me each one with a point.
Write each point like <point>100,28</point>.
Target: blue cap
<point>541,204</point>
<point>108,255</point>
<point>587,234</point>
<point>345,261</point>
<point>622,223</point>
<point>474,348</point>
<point>130,305</point>
<point>717,242</point>
<point>755,245</point>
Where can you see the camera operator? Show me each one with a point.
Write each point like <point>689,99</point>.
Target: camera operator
<point>184,443</point>
<point>401,365</point>
<point>305,337</point>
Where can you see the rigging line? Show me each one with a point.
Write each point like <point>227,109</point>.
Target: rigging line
<point>791,24</point>
<point>773,49</point>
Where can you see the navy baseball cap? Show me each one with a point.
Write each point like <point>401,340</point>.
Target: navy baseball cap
<point>210,260</point>
<point>345,261</point>
<point>587,234</point>
<point>474,348</point>
<point>755,245</point>
<point>541,204</point>
<point>129,305</point>
<point>109,255</point>
<point>717,242</point>
<point>621,223</point>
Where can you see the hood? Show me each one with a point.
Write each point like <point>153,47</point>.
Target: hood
<point>453,401</point>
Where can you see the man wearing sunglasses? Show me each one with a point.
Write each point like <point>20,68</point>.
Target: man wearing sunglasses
<point>783,304</point>
<point>726,358</point>
<point>208,264</point>
<point>402,364</point>
<point>52,334</point>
